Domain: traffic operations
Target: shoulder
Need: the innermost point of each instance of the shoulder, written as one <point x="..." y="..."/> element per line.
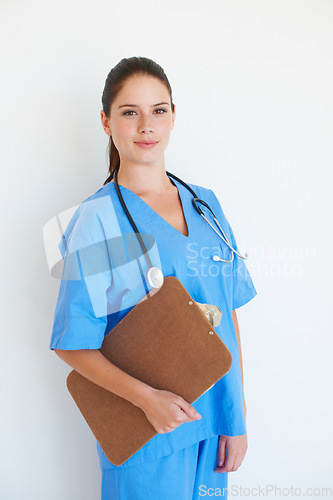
<point x="100" y="193"/>
<point x="95" y="205"/>
<point x="207" y="195"/>
<point x="85" y="221"/>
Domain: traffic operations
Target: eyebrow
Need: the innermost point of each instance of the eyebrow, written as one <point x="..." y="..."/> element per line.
<point x="135" y="105"/>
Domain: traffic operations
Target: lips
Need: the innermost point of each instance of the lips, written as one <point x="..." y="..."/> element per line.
<point x="146" y="144"/>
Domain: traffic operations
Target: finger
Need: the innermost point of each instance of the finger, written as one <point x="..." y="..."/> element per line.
<point x="188" y="418"/>
<point x="183" y="417"/>
<point x="228" y="463"/>
<point x="190" y="411"/>
<point x="221" y="455"/>
<point x="240" y="459"/>
<point x="234" y="467"/>
<point x="237" y="463"/>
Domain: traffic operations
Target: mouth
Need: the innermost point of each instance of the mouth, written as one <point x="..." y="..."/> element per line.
<point x="146" y="144"/>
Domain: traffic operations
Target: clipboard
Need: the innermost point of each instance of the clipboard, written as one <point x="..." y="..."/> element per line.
<point x="165" y="341"/>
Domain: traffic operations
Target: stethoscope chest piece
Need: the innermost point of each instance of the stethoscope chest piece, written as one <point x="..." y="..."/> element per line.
<point x="217" y="258"/>
<point x="155" y="277"/>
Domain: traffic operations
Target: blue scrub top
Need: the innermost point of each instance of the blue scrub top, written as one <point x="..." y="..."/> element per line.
<point x="104" y="282"/>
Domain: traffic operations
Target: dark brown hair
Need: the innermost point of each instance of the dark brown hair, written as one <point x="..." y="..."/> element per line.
<point x="113" y="85"/>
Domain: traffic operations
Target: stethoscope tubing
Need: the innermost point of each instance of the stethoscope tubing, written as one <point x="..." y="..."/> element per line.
<point x="137" y="232"/>
<point x="195" y="200"/>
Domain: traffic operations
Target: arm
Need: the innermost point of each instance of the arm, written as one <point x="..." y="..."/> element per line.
<point x="235" y="321"/>
<point x="164" y="409"/>
<point x="232" y="449"/>
<point x="93" y="365"/>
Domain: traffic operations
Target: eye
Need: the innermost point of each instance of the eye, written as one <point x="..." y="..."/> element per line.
<point x="161" y="112"/>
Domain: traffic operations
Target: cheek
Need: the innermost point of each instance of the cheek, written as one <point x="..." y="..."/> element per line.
<point x="122" y="130"/>
<point x="165" y="127"/>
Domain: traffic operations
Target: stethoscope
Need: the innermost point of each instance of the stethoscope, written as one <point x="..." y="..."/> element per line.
<point x="155" y="275"/>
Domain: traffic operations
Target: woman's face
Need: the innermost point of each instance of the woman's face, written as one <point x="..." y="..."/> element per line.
<point x="141" y="112"/>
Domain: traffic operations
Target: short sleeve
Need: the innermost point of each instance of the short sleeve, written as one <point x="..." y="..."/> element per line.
<point x="80" y="317"/>
<point x="243" y="289"/>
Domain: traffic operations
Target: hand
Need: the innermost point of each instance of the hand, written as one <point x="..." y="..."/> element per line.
<point x="231" y="452"/>
<point x="166" y="411"/>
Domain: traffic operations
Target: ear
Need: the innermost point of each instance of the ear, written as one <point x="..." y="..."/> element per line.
<point x="105" y="123"/>
<point x="173" y="116"/>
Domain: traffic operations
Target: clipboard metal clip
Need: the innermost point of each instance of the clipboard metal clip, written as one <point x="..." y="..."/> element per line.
<point x="212" y="313"/>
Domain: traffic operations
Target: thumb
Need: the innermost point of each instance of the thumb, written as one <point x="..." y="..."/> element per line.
<point x="221" y="453"/>
<point x="194" y="413"/>
<point x="190" y="411"/>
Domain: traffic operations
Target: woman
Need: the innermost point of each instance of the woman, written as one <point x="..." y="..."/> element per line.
<point x="196" y="445"/>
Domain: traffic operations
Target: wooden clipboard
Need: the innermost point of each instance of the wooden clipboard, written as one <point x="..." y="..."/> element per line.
<point x="165" y="341"/>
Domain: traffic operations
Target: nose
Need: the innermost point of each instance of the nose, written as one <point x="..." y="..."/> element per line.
<point x="145" y="125"/>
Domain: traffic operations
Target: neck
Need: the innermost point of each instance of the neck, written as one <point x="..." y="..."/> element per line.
<point x="145" y="179"/>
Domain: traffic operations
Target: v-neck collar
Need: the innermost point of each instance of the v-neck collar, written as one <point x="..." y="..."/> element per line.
<point x="158" y="216"/>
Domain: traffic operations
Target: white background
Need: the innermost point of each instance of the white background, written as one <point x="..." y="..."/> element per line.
<point x="252" y="82"/>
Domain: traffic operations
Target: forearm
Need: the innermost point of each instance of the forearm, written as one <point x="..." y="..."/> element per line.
<point x="93" y="365"/>
<point x="235" y="321"/>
